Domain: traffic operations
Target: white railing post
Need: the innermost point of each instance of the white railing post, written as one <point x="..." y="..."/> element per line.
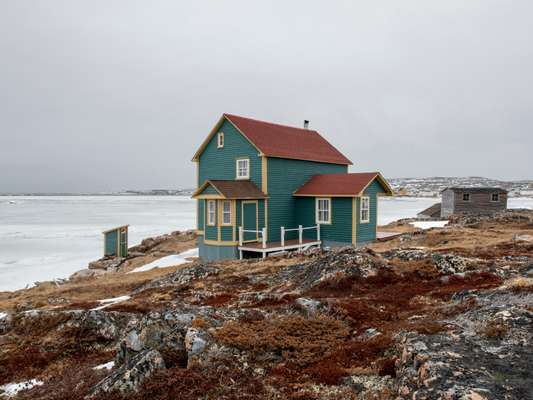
<point x="240" y="236"/>
<point x="318" y="232"/>
<point x="264" y="234"/>
<point x="300" y="234"/>
<point x="282" y="236"/>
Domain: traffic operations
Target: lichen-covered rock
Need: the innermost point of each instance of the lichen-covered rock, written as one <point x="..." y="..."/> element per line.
<point x="488" y="354"/>
<point x="131" y="374"/>
<point x="181" y="277"/>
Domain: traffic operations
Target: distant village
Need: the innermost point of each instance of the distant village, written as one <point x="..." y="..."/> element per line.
<point x="431" y="187"/>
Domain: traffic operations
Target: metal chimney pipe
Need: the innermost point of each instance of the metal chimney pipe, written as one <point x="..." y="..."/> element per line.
<point x="306" y="124"/>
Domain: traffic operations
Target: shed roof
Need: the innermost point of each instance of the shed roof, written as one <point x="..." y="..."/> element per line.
<point x="432" y="211"/>
<point x="227" y="189"/>
<point x="483" y="189"/>
<point x="341" y="185"/>
<point x="281" y="141"/>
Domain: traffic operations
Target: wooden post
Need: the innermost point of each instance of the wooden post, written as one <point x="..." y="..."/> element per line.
<point x="240" y="236"/>
<point x="300" y="233"/>
<point x="282" y="236"/>
<point x="318" y="232"/>
<point x="264" y="234"/>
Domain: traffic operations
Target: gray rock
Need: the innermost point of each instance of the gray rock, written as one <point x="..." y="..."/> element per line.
<point x="87" y="273"/>
<point x="195" y="342"/>
<point x="131" y="375"/>
<point x="309" y="306"/>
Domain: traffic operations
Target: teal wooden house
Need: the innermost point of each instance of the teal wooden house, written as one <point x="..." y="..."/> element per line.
<point x="265" y="188"/>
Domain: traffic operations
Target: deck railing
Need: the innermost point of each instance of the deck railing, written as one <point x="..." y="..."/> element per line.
<point x="284" y="231"/>
<point x="262" y="232"/>
<point x="300" y="230"/>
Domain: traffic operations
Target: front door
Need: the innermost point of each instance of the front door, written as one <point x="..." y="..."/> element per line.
<point x="249" y="220"/>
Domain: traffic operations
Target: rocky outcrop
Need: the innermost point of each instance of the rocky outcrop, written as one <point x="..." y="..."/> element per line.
<point x="488" y="355"/>
<point x="181" y="277"/>
<point x="131" y="374"/>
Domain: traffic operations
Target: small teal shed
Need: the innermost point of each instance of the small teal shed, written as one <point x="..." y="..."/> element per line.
<point x="116" y="242"/>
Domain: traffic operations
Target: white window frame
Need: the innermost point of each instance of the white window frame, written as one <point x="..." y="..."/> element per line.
<point x="362" y="208"/>
<point x="211" y="213"/>
<point x="468" y="195"/>
<point x="220" y="140"/>
<point x="497" y="197"/>
<point x="238" y="169"/>
<point x="319" y="210"/>
<point x="226" y="213"/>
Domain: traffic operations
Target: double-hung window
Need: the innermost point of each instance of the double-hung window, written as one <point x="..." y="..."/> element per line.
<point x="243" y="168"/>
<point x="226" y="213"/>
<point x="211" y="212"/>
<point x="365" y="209"/>
<point x="323" y="211"/>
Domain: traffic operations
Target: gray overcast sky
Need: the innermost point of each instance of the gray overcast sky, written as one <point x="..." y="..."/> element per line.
<point x="108" y="95"/>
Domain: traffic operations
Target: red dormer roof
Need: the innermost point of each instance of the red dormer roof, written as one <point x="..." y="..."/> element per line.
<point x="342" y="185"/>
<point x="281" y="141"/>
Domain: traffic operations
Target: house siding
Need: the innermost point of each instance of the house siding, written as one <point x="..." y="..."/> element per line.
<point x="447" y="203"/>
<point x="480" y="202"/>
<point x="213" y="253"/>
<point x="340" y="229"/>
<point x="284" y="177"/>
<point x="200" y="214"/>
<point x="366" y="232"/>
<point x="219" y="164"/>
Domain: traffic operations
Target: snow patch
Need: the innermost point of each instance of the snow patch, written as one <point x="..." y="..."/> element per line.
<point x="168" y="261"/>
<point x="12" y="389"/>
<point x="429" y="224"/>
<point x="3" y="315"/>
<point x="109" y="365"/>
<point x="110" y="302"/>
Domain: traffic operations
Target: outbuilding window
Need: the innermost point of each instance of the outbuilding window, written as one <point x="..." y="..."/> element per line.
<point x="323" y="211"/>
<point x="466" y="196"/>
<point x="211" y="212"/>
<point x="220" y="140"/>
<point x="365" y="209"/>
<point x="243" y="168"/>
<point x="495" y="197"/>
<point x="226" y="213"/>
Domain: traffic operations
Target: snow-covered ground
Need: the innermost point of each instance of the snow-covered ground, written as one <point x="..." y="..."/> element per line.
<point x="168" y="261"/>
<point x="47" y="237"/>
<point x="11" y="389"/>
<point x="429" y="224"/>
<point x="111" y="302"/>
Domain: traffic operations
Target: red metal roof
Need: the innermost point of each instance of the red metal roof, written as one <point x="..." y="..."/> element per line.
<point x="275" y="140"/>
<point x="340" y="184"/>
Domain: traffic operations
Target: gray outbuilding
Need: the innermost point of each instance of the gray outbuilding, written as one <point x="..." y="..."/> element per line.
<point x="472" y="200"/>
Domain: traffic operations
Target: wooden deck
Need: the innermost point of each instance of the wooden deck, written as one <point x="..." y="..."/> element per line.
<point x="272" y="247"/>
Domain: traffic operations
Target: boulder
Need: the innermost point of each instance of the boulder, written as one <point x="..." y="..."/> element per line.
<point x="131" y="375"/>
